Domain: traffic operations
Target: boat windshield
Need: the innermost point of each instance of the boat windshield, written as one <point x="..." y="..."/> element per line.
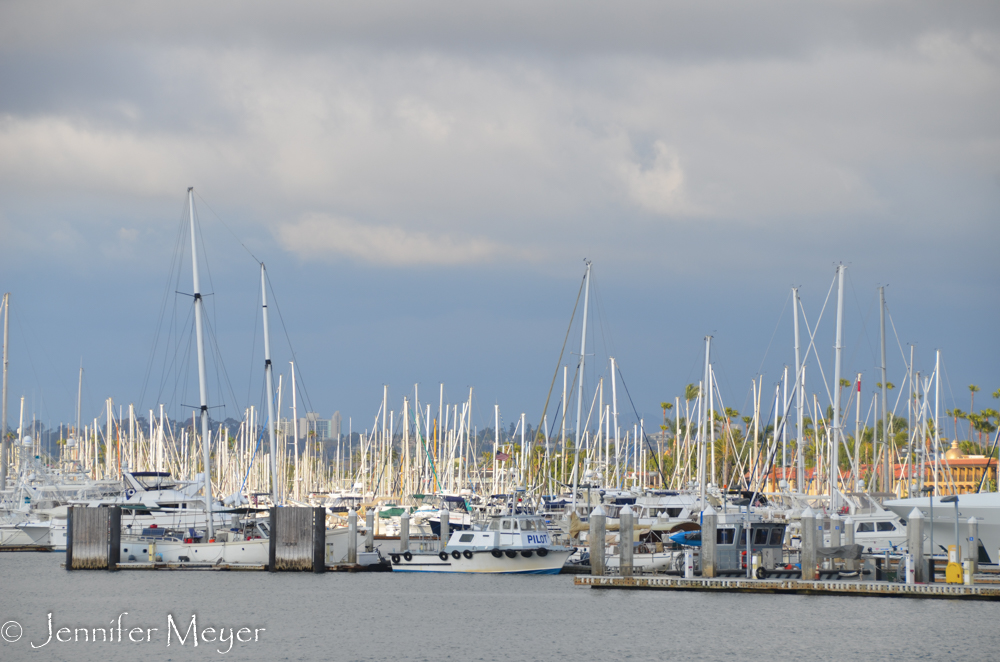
<point x="527" y="525"/>
<point x="154" y="480"/>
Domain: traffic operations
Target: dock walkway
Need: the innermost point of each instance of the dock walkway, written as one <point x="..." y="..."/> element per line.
<point x="797" y="587"/>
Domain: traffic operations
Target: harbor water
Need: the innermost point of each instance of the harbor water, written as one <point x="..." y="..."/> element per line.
<point x="385" y="616"/>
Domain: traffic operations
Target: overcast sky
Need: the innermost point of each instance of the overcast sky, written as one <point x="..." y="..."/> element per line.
<point x="424" y="180"/>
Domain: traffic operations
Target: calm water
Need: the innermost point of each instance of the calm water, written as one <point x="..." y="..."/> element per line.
<point x="454" y="617"/>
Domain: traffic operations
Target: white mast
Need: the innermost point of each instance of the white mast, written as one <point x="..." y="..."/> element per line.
<point x="800" y="380"/>
<point x="202" y="377"/>
<point x="614" y="413"/>
<point x="702" y="415"/>
<point x="836" y="436"/>
<point x="269" y="380"/>
<point x="4" y="444"/>
<point x="886" y="469"/>
<point x="579" y="395"/>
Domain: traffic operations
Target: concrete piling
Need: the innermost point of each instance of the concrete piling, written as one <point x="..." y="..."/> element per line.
<point x="915" y="545"/>
<point x="808" y="553"/>
<point x="709" y="526"/>
<point x="625" y="542"/>
<point x="404" y="532"/>
<point x="91" y="532"/>
<point x="445" y="517"/>
<point x="352" y="536"/>
<point x="298" y="540"/>
<point x="973" y="546"/>
<point x="849" y="564"/>
<point x="596" y="540"/>
<point x="370" y="530"/>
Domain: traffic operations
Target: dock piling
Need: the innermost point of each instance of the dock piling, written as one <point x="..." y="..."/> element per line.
<point x="915" y="543"/>
<point x="596" y="539"/>
<point x="404" y="532"/>
<point x="709" y="525"/>
<point x="370" y="530"/>
<point x="808" y="555"/>
<point x="625" y="542"/>
<point x="352" y="537"/>
<point x="849" y="564"/>
<point x="445" y="519"/>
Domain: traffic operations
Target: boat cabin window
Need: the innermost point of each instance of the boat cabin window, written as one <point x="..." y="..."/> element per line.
<point x="494" y="525"/>
<point x="725" y="536"/>
<point x="777" y="533"/>
<point x="884" y="526"/>
<point x="674" y="512"/>
<point x="506" y="525"/>
<point x="541" y="525"/>
<point x="866" y="527"/>
<point x="466" y="537"/>
<point x="527" y="525"/>
<point x="743" y="537"/>
<point x="760" y="536"/>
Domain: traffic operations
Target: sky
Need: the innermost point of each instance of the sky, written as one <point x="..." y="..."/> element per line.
<point x="425" y="180"/>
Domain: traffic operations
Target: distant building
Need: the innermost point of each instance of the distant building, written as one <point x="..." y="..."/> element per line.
<point x="336" y="426"/>
<point x="312" y="424"/>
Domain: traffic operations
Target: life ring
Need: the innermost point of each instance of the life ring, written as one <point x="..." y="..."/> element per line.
<point x="510" y="553"/>
<point x="407" y="556"/>
<point x="467" y="554"/>
<point x="496" y="553"/>
<point x="543" y="552"/>
<point x="443" y="556"/>
<point x="456" y="555"/>
<point x="526" y="553"/>
<point x="395" y="559"/>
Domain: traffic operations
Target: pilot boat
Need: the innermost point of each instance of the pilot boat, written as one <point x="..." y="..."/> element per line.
<point x="510" y="544"/>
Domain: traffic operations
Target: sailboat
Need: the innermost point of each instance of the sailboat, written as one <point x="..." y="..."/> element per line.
<point x="246" y="542"/>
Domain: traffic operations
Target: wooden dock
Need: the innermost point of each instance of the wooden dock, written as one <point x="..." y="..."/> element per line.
<point x="797" y="587"/>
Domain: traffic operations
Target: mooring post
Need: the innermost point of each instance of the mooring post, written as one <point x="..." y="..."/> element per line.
<point x="352" y="536"/>
<point x="370" y="530"/>
<point x="69" y="537"/>
<point x="625" y="536"/>
<point x="915" y="545"/>
<point x="272" y="541"/>
<point x="973" y="545"/>
<point x="404" y="532"/>
<point x="596" y="540"/>
<point x="849" y="564"/>
<point x="319" y="539"/>
<point x="807" y="556"/>
<point x="114" y="537"/>
<point x="445" y="518"/>
<point x="709" y="525"/>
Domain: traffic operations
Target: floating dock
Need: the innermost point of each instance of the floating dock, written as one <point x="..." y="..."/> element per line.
<point x="798" y="587"/>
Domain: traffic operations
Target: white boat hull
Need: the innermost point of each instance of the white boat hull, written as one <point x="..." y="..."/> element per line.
<point x="254" y="552"/>
<point x="483" y="561"/>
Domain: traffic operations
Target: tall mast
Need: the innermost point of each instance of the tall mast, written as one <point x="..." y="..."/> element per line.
<point x="838" y="347"/>
<point x="702" y="416"/>
<point x="199" y="305"/>
<point x="269" y="380"/>
<point x="614" y="409"/>
<point x="295" y="432"/>
<point x="800" y="378"/>
<point x="579" y="393"/>
<point x="886" y="482"/>
<point x="4" y="443"/>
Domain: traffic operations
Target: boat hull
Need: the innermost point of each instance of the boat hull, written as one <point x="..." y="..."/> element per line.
<point x="484" y="562"/>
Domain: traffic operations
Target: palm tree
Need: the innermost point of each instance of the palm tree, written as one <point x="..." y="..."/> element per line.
<point x="973" y="389"/>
